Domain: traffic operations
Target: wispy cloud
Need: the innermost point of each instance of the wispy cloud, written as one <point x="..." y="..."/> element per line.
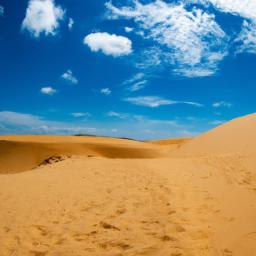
<point x="80" y="114"/>
<point x="15" y="122"/>
<point x="128" y="29"/>
<point x="1" y="10"/>
<point x="105" y="91"/>
<point x="42" y="16"/>
<point x="216" y="122"/>
<point x="70" y="23"/>
<point x="48" y="90"/>
<point x="154" y="101"/>
<point x="69" y="77"/>
<point x="133" y="126"/>
<point x="246" y="40"/>
<point x="137" y="82"/>
<point x="117" y="114"/>
<point x="109" y="44"/>
<point x="191" y="41"/>
<point x="220" y="104"/>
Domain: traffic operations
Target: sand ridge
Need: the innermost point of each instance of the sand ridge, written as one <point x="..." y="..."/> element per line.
<point x="21" y="153"/>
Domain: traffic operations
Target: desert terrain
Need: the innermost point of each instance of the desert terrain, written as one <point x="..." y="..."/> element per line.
<point x="75" y="196"/>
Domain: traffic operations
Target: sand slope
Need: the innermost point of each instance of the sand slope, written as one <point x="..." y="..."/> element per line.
<point x="21" y="153"/>
<point x="131" y="198"/>
<point x="237" y="136"/>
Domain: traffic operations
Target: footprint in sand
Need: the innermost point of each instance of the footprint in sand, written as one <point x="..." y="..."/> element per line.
<point x="106" y="225"/>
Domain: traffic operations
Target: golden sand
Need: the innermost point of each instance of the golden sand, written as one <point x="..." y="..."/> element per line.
<point x="71" y="196"/>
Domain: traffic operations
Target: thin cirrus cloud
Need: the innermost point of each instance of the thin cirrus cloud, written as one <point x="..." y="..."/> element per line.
<point x="48" y="90"/>
<point x="155" y="101"/>
<point x="69" y="77"/>
<point x="16" y="122"/>
<point x="1" y="10"/>
<point x="220" y="104"/>
<point x="109" y="44"/>
<point x="191" y="41"/>
<point x="80" y="114"/>
<point x="42" y="17"/>
<point x="117" y="114"/>
<point x="136" y="83"/>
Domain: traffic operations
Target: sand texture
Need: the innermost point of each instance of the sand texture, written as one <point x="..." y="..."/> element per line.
<point x="75" y="196"/>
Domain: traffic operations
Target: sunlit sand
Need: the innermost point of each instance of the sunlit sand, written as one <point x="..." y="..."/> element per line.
<point x="68" y="195"/>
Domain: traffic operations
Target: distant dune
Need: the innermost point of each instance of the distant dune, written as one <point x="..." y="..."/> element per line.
<point x="91" y="196"/>
<point x="171" y="144"/>
<point x="24" y="152"/>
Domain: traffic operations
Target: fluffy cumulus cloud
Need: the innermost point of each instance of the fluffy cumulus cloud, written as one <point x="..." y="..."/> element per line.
<point x="154" y="101"/>
<point x="109" y="44"/>
<point x="190" y="39"/>
<point x="42" y="17"/>
<point x="69" y="77"/>
<point x="244" y="8"/>
<point x="48" y="90"/>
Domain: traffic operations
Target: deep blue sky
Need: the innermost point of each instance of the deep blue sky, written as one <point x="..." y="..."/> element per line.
<point x="100" y="99"/>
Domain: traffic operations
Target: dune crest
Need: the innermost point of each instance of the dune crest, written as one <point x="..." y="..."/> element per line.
<point x="21" y="153"/>
<point x="237" y="136"/>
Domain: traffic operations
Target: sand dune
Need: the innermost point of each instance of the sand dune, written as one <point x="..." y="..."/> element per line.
<point x="237" y="136"/>
<point x="170" y="145"/>
<point x="20" y="153"/>
<point x="187" y="197"/>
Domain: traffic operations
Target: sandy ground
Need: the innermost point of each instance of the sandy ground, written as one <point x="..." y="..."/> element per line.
<point x="178" y="202"/>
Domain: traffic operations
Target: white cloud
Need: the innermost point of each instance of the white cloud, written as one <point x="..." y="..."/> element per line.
<point x="69" y="77"/>
<point x="15" y="122"/>
<point x="80" y="114"/>
<point x="244" y="8"/>
<point x="128" y="29"/>
<point x="19" y="119"/>
<point x="134" y="78"/>
<point x="154" y="101"/>
<point x="220" y="104"/>
<point x="136" y="82"/>
<point x="1" y="10"/>
<point x="188" y="39"/>
<point x="133" y="126"/>
<point x="105" y="91"/>
<point x="48" y="90"/>
<point x="216" y="122"/>
<point x="117" y="114"/>
<point x="138" y="86"/>
<point x="109" y="44"/>
<point x="70" y="23"/>
<point x="42" y="16"/>
<point x="246" y="40"/>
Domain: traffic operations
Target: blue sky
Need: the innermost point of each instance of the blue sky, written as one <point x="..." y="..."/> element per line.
<point x="140" y="69"/>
